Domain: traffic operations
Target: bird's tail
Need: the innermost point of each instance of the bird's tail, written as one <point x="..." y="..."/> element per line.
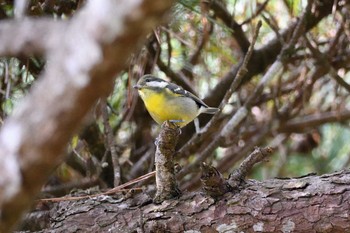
<point x="210" y="110"/>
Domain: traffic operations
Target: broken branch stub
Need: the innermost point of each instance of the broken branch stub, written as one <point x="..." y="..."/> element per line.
<point x="164" y="160"/>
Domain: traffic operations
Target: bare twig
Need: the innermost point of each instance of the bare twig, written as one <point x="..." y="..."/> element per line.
<point x="110" y="142"/>
<point x="177" y="77"/>
<point x="140" y="164"/>
<point x="232" y="157"/>
<point x="320" y="57"/>
<point x="202" y="41"/>
<point x="261" y="7"/>
<point x="120" y="188"/>
<point x="240" y="173"/>
<point x="65" y="188"/>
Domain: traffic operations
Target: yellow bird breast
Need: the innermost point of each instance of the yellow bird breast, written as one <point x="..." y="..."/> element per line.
<point x="164" y="106"/>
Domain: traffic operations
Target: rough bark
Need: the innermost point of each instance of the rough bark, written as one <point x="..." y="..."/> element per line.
<point x="164" y="160"/>
<point x="306" y="204"/>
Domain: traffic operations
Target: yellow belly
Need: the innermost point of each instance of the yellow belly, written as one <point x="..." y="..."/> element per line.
<point x="163" y="107"/>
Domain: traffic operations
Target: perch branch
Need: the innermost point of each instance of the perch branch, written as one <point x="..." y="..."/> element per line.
<point x="165" y="174"/>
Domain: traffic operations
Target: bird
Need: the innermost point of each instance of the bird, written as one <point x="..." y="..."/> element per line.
<point x="166" y="101"/>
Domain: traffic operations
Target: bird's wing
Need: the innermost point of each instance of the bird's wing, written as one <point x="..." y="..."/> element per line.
<point x="180" y="91"/>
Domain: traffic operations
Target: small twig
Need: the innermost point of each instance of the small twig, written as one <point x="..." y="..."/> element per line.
<point x="298" y="31"/>
<point x="58" y="199"/>
<point x="258" y="155"/>
<point x="183" y="41"/>
<point x="258" y="11"/>
<point x="65" y="188"/>
<point x="170" y="48"/>
<point x="202" y="40"/>
<point x="140" y="163"/>
<point x="177" y="77"/>
<point x="320" y="57"/>
<point x="120" y="188"/>
<point x="110" y="142"/>
<point x="231" y="158"/>
<point x="165" y="175"/>
<point x="7" y="79"/>
<point x="273" y="25"/>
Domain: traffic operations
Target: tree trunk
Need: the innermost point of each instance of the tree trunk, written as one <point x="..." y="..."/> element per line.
<point x="306" y="204"/>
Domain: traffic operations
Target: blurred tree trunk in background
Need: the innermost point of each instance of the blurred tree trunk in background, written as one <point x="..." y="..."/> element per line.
<point x="84" y="54"/>
<point x="60" y="58"/>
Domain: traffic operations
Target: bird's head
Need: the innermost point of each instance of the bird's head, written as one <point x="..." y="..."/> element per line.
<point x="150" y="82"/>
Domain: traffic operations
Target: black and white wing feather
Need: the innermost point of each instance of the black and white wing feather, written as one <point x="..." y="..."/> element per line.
<point x="180" y="91"/>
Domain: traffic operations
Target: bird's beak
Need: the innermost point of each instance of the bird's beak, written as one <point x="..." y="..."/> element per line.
<point x="138" y="87"/>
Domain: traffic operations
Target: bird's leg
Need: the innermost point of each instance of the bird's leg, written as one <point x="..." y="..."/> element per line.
<point x="176" y="121"/>
<point x="156" y="142"/>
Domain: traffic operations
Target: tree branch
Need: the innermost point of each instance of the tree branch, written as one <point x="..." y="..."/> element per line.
<point x="164" y="159"/>
<point x="276" y="205"/>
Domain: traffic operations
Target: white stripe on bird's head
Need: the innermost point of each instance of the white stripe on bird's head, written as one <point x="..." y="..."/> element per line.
<point x="160" y="84"/>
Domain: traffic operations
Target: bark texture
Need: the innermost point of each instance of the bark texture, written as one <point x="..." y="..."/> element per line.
<point x="164" y="160"/>
<point x="307" y="204"/>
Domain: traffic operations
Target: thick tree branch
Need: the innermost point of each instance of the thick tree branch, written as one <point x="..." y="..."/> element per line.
<point x="307" y="204"/>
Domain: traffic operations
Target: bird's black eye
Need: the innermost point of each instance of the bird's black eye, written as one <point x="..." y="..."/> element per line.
<point x="147" y="80"/>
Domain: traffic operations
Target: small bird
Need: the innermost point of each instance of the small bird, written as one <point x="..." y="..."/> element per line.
<point x="166" y="101"/>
